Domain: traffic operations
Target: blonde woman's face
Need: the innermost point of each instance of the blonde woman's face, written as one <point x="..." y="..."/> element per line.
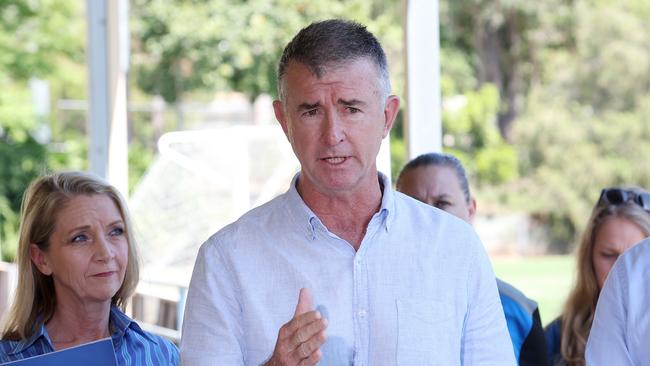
<point x="615" y="235"/>
<point x="88" y="250"/>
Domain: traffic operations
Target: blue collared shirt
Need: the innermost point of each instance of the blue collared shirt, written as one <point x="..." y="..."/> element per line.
<point x="621" y="329"/>
<point x="419" y="291"/>
<point x="132" y="345"/>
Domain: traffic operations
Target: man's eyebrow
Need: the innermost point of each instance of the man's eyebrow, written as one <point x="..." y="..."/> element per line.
<point x="305" y="106"/>
<point x="351" y="102"/>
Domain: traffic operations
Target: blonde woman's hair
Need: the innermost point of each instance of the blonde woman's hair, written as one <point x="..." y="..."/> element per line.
<point x="578" y="313"/>
<point x="35" y="300"/>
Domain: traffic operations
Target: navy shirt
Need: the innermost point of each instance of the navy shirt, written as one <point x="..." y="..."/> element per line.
<point x="132" y="345"/>
<point x="553" y="333"/>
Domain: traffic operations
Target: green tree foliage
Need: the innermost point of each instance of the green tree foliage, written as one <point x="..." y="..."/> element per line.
<point x="34" y="37"/>
<point x="182" y="46"/>
<point x="503" y="42"/>
<point x="587" y="125"/>
<point x="471" y="133"/>
<point x="577" y="75"/>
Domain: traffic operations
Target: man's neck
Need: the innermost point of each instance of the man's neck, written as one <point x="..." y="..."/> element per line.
<point x="345" y="213"/>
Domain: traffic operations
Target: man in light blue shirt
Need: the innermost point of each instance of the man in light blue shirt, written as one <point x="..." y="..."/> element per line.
<point x="342" y="270"/>
<point x="620" y="332"/>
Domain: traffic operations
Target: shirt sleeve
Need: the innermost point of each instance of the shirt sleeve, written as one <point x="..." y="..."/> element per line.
<point x="607" y="344"/>
<point x="485" y="339"/>
<point x="211" y="326"/>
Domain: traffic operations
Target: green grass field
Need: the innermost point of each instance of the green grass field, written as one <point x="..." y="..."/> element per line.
<point x="545" y="279"/>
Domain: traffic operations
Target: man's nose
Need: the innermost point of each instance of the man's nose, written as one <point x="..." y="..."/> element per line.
<point x="333" y="131"/>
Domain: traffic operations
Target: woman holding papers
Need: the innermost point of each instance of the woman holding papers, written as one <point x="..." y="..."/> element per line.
<point x="77" y="266"/>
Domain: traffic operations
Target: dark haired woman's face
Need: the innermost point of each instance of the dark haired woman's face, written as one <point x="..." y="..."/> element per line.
<point x="437" y="186"/>
<point x="88" y="250"/>
<point x="615" y="235"/>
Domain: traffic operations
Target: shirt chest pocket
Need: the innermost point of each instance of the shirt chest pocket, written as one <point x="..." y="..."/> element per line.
<point x="428" y="333"/>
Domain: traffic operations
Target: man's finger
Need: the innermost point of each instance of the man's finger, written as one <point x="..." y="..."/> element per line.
<point x="312" y="359"/>
<point x="306" y="332"/>
<point x="305" y="302"/>
<point x="310" y="350"/>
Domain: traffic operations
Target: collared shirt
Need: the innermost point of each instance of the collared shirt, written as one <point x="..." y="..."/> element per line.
<point x="621" y="328"/>
<point x="419" y="291"/>
<point x="132" y="345"/>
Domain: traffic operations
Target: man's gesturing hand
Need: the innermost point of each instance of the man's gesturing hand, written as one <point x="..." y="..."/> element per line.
<point x="300" y="339"/>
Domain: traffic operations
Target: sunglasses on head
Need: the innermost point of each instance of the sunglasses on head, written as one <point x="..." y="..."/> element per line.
<point x="618" y="196"/>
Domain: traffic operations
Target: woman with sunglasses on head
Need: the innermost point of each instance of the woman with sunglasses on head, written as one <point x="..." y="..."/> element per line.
<point x="620" y="219"/>
<point x="621" y="329"/>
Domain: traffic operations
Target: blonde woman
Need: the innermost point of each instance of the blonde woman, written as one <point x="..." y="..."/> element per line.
<point x="619" y="221"/>
<point x="77" y="267"/>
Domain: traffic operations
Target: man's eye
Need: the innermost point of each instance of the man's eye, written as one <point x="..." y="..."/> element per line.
<point x="354" y="110"/>
<point x="442" y="204"/>
<point x="310" y="113"/>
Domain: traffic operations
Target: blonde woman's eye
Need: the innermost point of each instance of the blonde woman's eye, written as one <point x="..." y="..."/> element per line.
<point x="81" y="238"/>
<point x="117" y="231"/>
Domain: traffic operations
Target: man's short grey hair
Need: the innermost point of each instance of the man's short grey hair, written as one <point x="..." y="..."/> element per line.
<point x="331" y="43"/>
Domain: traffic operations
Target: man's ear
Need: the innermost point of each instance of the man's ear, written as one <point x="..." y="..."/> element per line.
<point x="40" y="259"/>
<point x="278" y="108"/>
<point x="390" y="113"/>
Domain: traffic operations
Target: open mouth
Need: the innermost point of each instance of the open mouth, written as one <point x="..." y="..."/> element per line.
<point x="335" y="160"/>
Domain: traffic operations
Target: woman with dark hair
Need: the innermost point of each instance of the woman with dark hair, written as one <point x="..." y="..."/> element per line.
<point x="77" y="267"/>
<point x="440" y="181"/>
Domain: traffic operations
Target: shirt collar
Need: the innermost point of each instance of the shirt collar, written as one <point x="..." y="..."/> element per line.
<point x="299" y="211"/>
<point x="306" y="218"/>
<point x="26" y="343"/>
<point x="120" y="323"/>
<point x="387" y="208"/>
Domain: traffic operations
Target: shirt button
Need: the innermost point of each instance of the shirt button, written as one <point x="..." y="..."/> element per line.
<point x="362" y="313"/>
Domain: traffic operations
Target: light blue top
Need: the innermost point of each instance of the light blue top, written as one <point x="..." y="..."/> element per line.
<point x="133" y="346"/>
<point x="620" y="333"/>
<point x="420" y="290"/>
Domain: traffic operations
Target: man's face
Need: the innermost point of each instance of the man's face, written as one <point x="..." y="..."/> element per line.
<point x="440" y="187"/>
<point x="335" y="124"/>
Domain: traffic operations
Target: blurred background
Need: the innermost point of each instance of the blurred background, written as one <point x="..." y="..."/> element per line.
<point x="545" y="102"/>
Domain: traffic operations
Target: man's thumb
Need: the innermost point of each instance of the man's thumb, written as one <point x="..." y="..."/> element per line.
<point x="305" y="302"/>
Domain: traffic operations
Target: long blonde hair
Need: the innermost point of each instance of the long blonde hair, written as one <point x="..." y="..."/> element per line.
<point x="578" y="313"/>
<point x="35" y="301"/>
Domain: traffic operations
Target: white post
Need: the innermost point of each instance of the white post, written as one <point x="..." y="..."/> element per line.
<point x="422" y="122"/>
<point x="108" y="60"/>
